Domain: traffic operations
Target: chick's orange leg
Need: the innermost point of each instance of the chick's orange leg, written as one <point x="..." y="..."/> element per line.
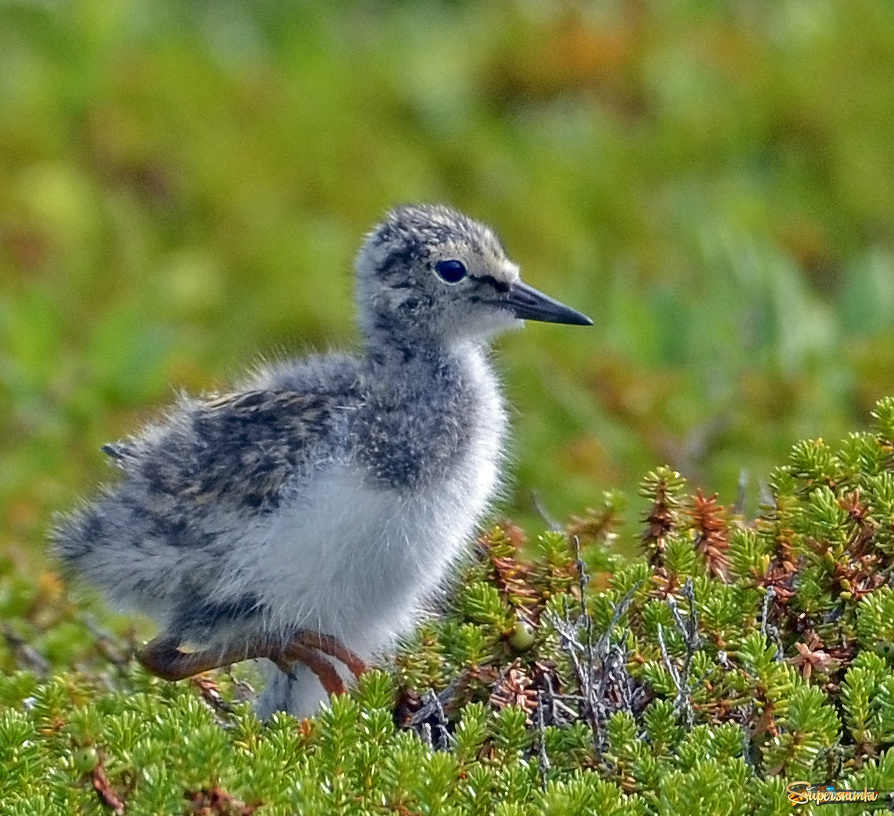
<point x="164" y="658"/>
<point x="329" y="645"/>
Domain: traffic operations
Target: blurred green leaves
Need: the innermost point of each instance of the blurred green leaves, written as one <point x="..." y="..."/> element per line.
<point x="183" y="186"/>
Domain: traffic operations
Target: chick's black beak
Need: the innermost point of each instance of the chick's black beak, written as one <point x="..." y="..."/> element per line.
<point x="529" y="303"/>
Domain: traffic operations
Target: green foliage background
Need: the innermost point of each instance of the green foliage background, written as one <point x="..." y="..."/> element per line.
<point x="183" y="186"/>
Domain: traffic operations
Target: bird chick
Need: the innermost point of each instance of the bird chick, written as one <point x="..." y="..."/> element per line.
<point x="309" y="513"/>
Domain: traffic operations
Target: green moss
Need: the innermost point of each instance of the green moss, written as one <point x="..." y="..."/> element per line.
<point x="722" y="210"/>
<point x="674" y="688"/>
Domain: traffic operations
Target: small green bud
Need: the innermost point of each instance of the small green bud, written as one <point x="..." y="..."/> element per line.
<point x="85" y="759"/>
<point x="522" y="637"/>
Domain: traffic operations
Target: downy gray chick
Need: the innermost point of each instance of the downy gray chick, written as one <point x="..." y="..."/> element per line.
<point x="311" y="511"/>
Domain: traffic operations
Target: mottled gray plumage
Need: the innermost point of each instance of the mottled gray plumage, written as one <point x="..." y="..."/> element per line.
<point x="332" y="493"/>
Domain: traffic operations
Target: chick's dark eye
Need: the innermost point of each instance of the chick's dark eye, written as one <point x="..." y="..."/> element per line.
<point x="452" y="271"/>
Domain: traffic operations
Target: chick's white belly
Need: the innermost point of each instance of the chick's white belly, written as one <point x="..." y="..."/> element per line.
<point x="353" y="561"/>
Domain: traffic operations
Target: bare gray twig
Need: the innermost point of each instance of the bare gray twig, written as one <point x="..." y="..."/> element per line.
<point x="548" y="519"/>
<point x="692" y="640"/>
<point x="541" y="743"/>
<point x="765" y="609"/>
<point x="433" y="707"/>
